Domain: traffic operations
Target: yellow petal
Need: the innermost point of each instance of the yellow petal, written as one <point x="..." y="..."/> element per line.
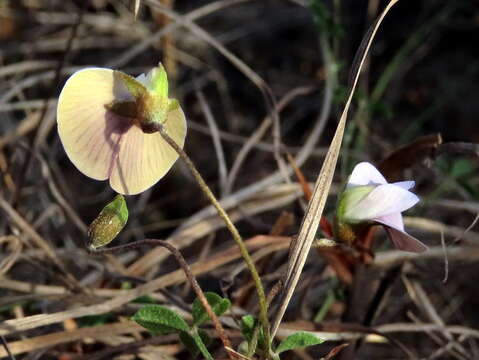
<point x="143" y="159"/>
<point x="89" y="132"/>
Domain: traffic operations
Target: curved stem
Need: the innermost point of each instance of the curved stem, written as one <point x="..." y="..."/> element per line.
<point x="263" y="305"/>
<point x="189" y="275"/>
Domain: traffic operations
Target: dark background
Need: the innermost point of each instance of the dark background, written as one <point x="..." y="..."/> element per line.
<point x="425" y="55"/>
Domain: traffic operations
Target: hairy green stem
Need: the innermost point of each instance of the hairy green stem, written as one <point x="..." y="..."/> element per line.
<point x="189" y="275"/>
<point x="263" y="305"/>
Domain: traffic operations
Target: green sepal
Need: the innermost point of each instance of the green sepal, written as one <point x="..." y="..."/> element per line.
<point x="134" y="87"/>
<point x="248" y="326"/>
<point x="248" y="323"/>
<point x="348" y="199"/>
<point x="108" y="224"/>
<point x="173" y="104"/>
<point x="151" y="105"/>
<point x="159" y="81"/>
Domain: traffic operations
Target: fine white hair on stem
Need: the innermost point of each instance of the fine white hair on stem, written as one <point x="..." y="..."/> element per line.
<point x="304" y="153"/>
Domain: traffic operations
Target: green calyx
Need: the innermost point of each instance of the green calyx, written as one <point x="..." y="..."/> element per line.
<point x="345" y="222"/>
<point x="108" y="224"/>
<point x="349" y="198"/>
<point x="151" y="105"/>
<point x="159" y="81"/>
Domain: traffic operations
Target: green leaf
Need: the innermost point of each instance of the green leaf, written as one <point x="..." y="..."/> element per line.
<point x="160" y="320"/>
<point x="297" y="340"/>
<point x="218" y="304"/>
<point x="197" y="343"/>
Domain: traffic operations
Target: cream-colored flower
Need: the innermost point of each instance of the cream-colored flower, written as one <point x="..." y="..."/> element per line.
<point x="103" y="117"/>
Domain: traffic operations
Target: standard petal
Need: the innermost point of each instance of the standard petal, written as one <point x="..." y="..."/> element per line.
<point x="383" y="200"/>
<point x="88" y="131"/>
<point x="144" y="159"/>
<point x="404" y="241"/>
<point x="365" y="174"/>
<point x="175" y="126"/>
<point x="406" y="185"/>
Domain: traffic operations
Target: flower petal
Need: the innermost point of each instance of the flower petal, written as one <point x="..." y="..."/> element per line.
<point x="142" y="78"/>
<point x="392" y="220"/>
<point x="365" y="174"/>
<point x="404" y="241"/>
<point x="383" y="200"/>
<point x="88" y="131"/>
<point x="406" y="185"/>
<point x="143" y="159"/>
<point x="394" y="226"/>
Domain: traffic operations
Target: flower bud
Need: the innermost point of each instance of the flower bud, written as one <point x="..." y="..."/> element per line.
<point x="108" y="224"/>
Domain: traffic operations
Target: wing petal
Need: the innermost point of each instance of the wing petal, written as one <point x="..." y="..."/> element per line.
<point x="383" y="200"/>
<point x="406" y="185"/>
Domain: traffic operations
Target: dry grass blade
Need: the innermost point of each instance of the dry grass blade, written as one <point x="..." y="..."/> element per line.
<point x="36" y="239"/>
<point x="222" y="169"/>
<point x="271" y="198"/>
<point x="303" y="154"/>
<point x="136" y="8"/>
<point x="253" y="76"/>
<point x="172" y="278"/>
<point x="193" y="15"/>
<point x="313" y="214"/>
<point x="260" y="132"/>
<point x="39" y="342"/>
<point x="454" y="253"/>
<point x="422" y="300"/>
<point x="335" y="351"/>
<point x="15" y="246"/>
<point x="202" y="34"/>
<point x="187" y="271"/>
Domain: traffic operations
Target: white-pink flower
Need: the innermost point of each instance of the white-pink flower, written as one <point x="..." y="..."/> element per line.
<point x="369" y="198"/>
